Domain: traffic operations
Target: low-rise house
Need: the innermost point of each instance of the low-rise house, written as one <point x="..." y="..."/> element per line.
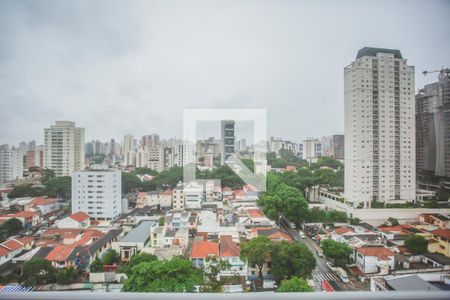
<point x="273" y="234"/>
<point x="13" y="247"/>
<point x="177" y="220"/>
<point x="401" y="283"/>
<point x="62" y="256"/>
<point x="135" y="240"/>
<point x="374" y="260"/>
<point x="193" y="196"/>
<point x="46" y="206"/>
<point x="76" y="220"/>
<point x="438" y="220"/>
<point x="178" y="202"/>
<point x="29" y="219"/>
<point x="229" y="251"/>
<point x="440" y="243"/>
<point x="202" y="251"/>
<point x="161" y="199"/>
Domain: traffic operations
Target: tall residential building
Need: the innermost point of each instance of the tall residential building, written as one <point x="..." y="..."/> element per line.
<point x="311" y="148"/>
<point x="151" y="140"/>
<point x="379" y="128"/>
<point x="433" y="129"/>
<point x="326" y="143"/>
<point x="128" y="143"/>
<point x="338" y="146"/>
<point x="35" y="158"/>
<point x="227" y="140"/>
<point x="11" y="164"/>
<point x="64" y="148"/>
<point x="98" y="193"/>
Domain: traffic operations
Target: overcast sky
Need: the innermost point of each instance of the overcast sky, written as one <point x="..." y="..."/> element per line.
<point x="118" y="67"/>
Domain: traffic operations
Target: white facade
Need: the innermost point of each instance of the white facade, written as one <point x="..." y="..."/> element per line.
<point x="193" y="195"/>
<point x="11" y="164"/>
<point x="311" y="148"/>
<point x="156" y="158"/>
<point x="379" y="128"/>
<point x="64" y="148"/>
<point x="97" y="193"/>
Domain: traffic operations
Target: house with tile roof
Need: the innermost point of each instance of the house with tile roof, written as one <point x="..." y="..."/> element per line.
<point x="230" y="251"/>
<point x="202" y="251"/>
<point x="374" y="260"/>
<point x="76" y="220"/>
<point x="46" y="206"/>
<point x="441" y="244"/>
<point x="13" y="247"/>
<point x="29" y="219"/>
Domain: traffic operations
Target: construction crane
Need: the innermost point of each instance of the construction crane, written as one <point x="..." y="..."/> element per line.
<point x="441" y="71"/>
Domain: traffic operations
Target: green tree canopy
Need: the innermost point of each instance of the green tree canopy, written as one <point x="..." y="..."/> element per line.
<point x="339" y="253"/>
<point x="294" y="285"/>
<point x="417" y="244"/>
<point x="292" y="259"/>
<point x="37" y="271"/>
<point x="58" y="186"/>
<point x="11" y="227"/>
<point x="26" y="190"/>
<point x="111" y="257"/>
<point x="175" y="275"/>
<point x="66" y="276"/>
<point x="47" y="174"/>
<point x="96" y="265"/>
<point x="256" y="252"/>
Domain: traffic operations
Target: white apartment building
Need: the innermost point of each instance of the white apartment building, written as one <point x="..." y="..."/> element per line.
<point x="64" y="148"/>
<point x="379" y="128"/>
<point x="98" y="193"/>
<point x="227" y="141"/>
<point x="193" y="195"/>
<point x="311" y="148"/>
<point x="11" y="164"/>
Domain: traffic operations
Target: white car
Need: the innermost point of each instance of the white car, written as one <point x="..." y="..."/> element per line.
<point x="330" y="265"/>
<point x="342" y="275"/>
<point x="301" y="234"/>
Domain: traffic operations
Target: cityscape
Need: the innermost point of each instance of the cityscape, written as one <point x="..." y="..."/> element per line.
<point x="361" y="210"/>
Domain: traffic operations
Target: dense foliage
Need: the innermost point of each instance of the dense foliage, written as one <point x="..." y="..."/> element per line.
<point x="417" y="244"/>
<point x="337" y="252"/>
<point x="175" y="275"/>
<point x="256" y="252"/>
<point x="66" y="276"/>
<point x="37" y="271"/>
<point x="11" y="227"/>
<point x="292" y="259"/>
<point x="294" y="285"/>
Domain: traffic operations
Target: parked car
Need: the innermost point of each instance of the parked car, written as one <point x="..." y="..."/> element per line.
<point x="313" y="237"/>
<point x="342" y="275"/>
<point x="301" y="234"/>
<point x="319" y="253"/>
<point x="292" y="225"/>
<point x="330" y="266"/>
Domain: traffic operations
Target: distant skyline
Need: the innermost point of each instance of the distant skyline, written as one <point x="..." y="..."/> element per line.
<point x="119" y="67"/>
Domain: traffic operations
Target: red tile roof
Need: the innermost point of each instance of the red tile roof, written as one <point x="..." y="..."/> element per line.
<point x="228" y="248"/>
<point x="60" y="253"/>
<point x="239" y="193"/>
<point x="255" y="213"/>
<point x="444" y="233"/>
<point x="380" y="252"/>
<point x="4" y="251"/>
<point x="343" y="230"/>
<point x="21" y="214"/>
<point x="42" y="201"/>
<point x="398" y="228"/>
<point x="12" y="245"/>
<point x="79" y="216"/>
<point x="203" y="249"/>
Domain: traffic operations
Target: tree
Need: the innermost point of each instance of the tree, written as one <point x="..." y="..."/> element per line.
<point x="66" y="276"/>
<point x="11" y="227"/>
<point x="111" y="257"/>
<point x="256" y="252"/>
<point x="96" y="265"/>
<point x="26" y="190"/>
<point x="58" y="186"/>
<point x="393" y="221"/>
<point x="212" y="269"/>
<point x="175" y="275"/>
<point x="130" y="182"/>
<point x="136" y="260"/>
<point x="47" y="174"/>
<point x="292" y="259"/>
<point x="142" y="171"/>
<point x="355" y="221"/>
<point x="417" y="244"/>
<point x="37" y="271"/>
<point x="339" y="253"/>
<point x="294" y="285"/>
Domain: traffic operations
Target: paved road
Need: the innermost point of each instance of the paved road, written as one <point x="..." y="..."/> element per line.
<point x="322" y="272"/>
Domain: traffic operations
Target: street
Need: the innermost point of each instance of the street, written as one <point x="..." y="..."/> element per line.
<point x="321" y="272"/>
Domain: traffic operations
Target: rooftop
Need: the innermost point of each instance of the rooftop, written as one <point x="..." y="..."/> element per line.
<point x="203" y="249"/>
<point x="139" y="234"/>
<point x="410" y="283"/>
<point x="370" y="51"/>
